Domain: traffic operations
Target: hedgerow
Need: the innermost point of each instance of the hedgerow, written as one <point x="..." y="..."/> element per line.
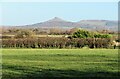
<point x="56" y="42"/>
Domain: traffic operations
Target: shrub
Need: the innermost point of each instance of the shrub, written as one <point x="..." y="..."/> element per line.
<point x="24" y="34"/>
<point x="82" y="34"/>
<point x="102" y="36"/>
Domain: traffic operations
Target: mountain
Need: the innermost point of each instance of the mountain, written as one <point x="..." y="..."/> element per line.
<point x="56" y="19"/>
<point x="57" y="22"/>
<point x="54" y="23"/>
<point x="99" y="24"/>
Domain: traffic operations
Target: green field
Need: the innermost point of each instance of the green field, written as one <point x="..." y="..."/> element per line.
<point x="41" y="63"/>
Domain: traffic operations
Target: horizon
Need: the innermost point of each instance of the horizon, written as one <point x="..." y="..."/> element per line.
<point x="16" y="14"/>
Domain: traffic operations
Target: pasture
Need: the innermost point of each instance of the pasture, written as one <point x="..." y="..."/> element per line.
<point x="43" y="63"/>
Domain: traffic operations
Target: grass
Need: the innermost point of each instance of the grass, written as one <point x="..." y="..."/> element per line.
<point x="42" y="63"/>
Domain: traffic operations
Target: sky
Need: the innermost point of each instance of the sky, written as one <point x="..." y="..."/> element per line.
<point x="23" y="13"/>
<point x="59" y="0"/>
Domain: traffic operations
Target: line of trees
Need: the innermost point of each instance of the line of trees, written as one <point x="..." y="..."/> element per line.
<point x="56" y="42"/>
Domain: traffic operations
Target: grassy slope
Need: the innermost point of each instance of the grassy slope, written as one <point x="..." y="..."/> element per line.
<point x="35" y="63"/>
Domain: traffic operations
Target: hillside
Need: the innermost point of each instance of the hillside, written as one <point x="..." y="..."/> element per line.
<point x="55" y="22"/>
<point x="99" y="24"/>
<point x="85" y="24"/>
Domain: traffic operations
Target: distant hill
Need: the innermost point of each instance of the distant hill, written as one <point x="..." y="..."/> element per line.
<point x="85" y="24"/>
<point x="99" y="24"/>
<point x="53" y="23"/>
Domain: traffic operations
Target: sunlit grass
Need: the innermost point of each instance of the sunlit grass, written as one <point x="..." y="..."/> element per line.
<point x="36" y="63"/>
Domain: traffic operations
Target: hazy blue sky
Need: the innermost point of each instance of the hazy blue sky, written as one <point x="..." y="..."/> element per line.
<point x="59" y="0"/>
<point x="30" y="12"/>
